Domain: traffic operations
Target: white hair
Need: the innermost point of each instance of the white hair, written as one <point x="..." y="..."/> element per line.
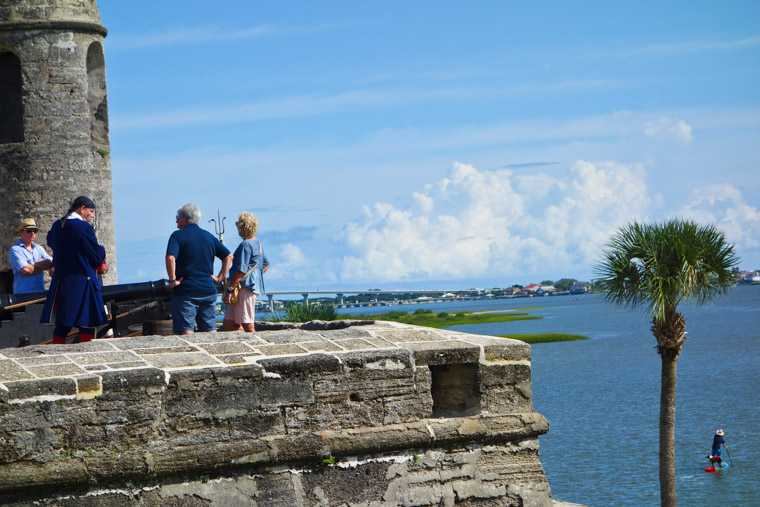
<point x="191" y="212"/>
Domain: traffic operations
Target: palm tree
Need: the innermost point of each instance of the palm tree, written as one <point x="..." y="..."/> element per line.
<point x="656" y="266"/>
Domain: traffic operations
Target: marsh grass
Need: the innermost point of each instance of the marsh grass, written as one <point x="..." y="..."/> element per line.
<point x="427" y="318"/>
<point x="545" y="338"/>
<point x="296" y="312"/>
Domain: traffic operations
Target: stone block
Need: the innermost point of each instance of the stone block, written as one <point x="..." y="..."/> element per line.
<point x="409" y="335"/>
<point x="10" y="371"/>
<point x="127" y="365"/>
<point x="301" y="365"/>
<point x="87" y="384"/>
<point x="496" y="349"/>
<point x="180" y="360"/>
<point x="228" y="347"/>
<point x="130" y="380"/>
<point x="233" y="492"/>
<point x="505" y="399"/>
<point x="378" y="360"/>
<point x="363" y="484"/>
<point x="28" y="391"/>
<point x="280" y="350"/>
<point x="56" y="370"/>
<point x="333" y="415"/>
<point x="289" y="336"/>
<point x="358" y="344"/>
<point x="321" y="346"/>
<point x="503" y="374"/>
<point x="353" y="332"/>
<point x="39" y="351"/>
<point x="89" y="358"/>
<point x="286" y="392"/>
<point x="42" y="360"/>
<point x="238" y="359"/>
<point x="186" y="379"/>
<point x="448" y="352"/>
<point x="275" y="490"/>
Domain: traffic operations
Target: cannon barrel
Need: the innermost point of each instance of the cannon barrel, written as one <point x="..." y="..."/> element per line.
<point x="120" y="292"/>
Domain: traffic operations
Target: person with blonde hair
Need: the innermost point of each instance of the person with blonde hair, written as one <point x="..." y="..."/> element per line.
<point x="247" y="274"/>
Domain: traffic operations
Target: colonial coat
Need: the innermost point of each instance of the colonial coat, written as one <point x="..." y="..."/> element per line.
<point x="74" y="297"/>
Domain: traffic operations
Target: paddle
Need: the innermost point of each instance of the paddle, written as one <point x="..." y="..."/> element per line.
<point x="729" y="457"/>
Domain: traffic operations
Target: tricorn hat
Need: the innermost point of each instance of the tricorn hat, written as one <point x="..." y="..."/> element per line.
<point x="27" y="223"/>
<point x="719" y="432"/>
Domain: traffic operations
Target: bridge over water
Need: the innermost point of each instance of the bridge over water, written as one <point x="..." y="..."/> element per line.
<point x="339" y="293"/>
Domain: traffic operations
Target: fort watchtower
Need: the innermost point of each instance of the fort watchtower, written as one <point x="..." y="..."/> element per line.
<point x="54" y="142"/>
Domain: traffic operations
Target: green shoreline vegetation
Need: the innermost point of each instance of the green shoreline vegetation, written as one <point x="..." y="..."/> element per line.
<point x="545" y="338"/>
<point x="426" y="318"/>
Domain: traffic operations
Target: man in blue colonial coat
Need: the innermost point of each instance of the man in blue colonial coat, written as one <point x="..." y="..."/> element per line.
<point x="74" y="298"/>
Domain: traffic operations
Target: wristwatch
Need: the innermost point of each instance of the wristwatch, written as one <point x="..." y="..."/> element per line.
<point x="230" y="289"/>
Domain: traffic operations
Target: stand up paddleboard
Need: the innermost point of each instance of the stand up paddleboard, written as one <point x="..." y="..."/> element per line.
<point x="716" y="463"/>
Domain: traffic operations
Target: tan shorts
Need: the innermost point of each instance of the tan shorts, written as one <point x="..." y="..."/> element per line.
<point x="244" y="311"/>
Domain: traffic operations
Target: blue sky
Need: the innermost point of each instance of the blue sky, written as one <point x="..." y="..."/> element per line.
<point x="431" y="145"/>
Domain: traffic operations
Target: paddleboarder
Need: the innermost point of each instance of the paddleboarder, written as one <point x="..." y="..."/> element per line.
<point x="718" y="440"/>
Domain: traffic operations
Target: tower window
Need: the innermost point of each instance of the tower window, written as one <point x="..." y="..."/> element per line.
<point x="96" y="94"/>
<point x="11" y="104"/>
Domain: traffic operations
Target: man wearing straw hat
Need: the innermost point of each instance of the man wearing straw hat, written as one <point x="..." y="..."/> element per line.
<point x="28" y="260"/>
<point x="718" y="440"/>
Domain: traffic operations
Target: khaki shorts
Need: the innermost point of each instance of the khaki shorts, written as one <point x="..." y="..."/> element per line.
<point x="244" y="311"/>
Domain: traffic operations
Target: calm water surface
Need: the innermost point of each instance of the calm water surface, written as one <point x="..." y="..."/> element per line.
<point x="601" y="397"/>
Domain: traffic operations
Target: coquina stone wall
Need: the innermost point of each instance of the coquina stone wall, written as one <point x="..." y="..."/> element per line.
<point x="367" y="414"/>
<point x="54" y="142"/>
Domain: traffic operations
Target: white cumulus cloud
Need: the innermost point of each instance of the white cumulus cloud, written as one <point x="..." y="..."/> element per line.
<point x="476" y="223"/>
<point x="724" y="206"/>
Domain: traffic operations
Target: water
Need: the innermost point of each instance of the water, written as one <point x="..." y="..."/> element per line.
<point x="601" y="397"/>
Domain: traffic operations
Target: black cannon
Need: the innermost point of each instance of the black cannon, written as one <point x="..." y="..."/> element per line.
<point x="128" y="303"/>
<point x="120" y="292"/>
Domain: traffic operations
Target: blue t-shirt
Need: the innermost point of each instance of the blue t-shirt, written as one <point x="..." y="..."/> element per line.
<point x="248" y="254"/>
<point x="194" y="250"/>
<point x="19" y="257"/>
<point x="718" y="441"/>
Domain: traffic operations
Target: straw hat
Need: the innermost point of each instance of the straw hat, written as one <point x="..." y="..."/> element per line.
<point x="719" y="432"/>
<point x="26" y="224"/>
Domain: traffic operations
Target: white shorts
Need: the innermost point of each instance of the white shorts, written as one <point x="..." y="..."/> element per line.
<point x="244" y="311"/>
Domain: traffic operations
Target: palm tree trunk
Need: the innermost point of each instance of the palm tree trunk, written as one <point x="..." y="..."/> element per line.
<point x="667" y="427"/>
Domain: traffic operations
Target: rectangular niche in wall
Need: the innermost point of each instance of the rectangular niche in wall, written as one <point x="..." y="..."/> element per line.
<point x="455" y="390"/>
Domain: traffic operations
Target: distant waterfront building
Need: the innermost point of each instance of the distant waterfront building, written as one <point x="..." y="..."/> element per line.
<point x="54" y="140"/>
<point x="580" y="288"/>
<point x="546" y="290"/>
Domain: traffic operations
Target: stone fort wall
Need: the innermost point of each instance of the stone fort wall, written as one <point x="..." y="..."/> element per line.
<point x="54" y="142"/>
<point x="368" y="414"/>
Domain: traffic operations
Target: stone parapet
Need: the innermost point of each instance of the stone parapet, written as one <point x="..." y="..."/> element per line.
<point x="320" y="414"/>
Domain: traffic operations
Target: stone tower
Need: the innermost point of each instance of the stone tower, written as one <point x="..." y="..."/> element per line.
<point x="54" y="143"/>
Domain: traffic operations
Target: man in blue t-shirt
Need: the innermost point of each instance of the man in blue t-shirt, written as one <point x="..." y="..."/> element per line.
<point x="28" y="260"/>
<point x="718" y="440"/>
<point x="190" y="266"/>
